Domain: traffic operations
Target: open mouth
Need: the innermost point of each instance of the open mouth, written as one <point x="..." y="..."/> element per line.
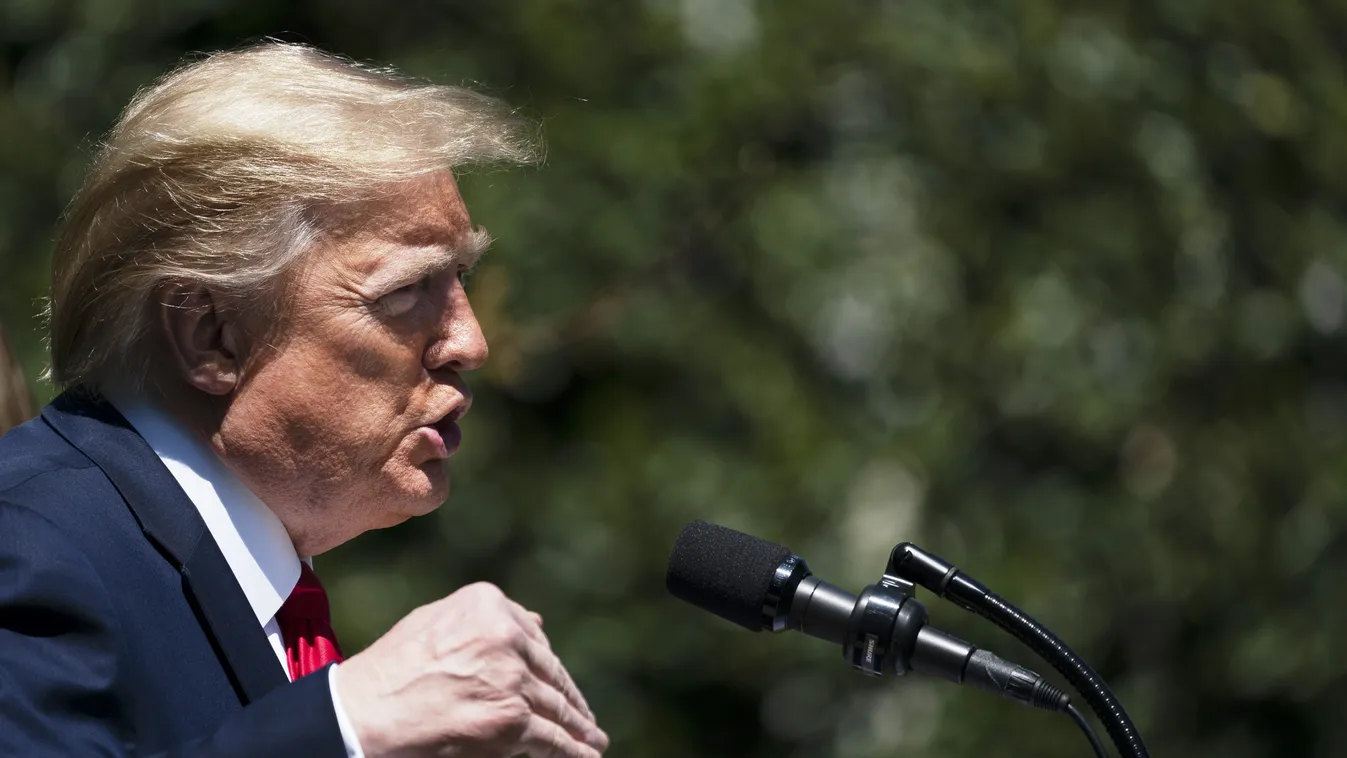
<point x="445" y="435"/>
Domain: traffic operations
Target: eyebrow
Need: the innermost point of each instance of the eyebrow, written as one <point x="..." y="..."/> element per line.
<point x="438" y="258"/>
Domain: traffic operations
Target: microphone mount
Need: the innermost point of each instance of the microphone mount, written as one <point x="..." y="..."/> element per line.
<point x="885" y="632"/>
<point x="761" y="585"/>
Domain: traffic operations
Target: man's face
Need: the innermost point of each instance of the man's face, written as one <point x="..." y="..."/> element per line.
<point x="348" y="424"/>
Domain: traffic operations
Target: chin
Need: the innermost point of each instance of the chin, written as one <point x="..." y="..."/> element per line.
<point x="429" y="490"/>
<point x="413" y="491"/>
<point x="405" y="507"/>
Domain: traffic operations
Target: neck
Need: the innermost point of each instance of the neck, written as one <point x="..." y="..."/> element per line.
<point x="208" y="418"/>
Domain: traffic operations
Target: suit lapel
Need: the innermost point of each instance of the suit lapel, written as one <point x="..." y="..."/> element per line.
<point x="225" y="609"/>
<point x="172" y="523"/>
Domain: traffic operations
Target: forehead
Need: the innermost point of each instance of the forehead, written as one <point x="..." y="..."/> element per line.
<point x="425" y="216"/>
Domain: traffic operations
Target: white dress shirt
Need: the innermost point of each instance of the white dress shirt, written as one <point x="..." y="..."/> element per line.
<point x="251" y="537"/>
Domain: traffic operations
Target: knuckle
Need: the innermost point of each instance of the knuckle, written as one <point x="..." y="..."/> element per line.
<point x="503" y="632"/>
<point x="515" y="711"/>
<point x="514" y="676"/>
<point x="504" y="730"/>
<point x="503" y="681"/>
<point x="564" y="681"/>
<point x="485" y="591"/>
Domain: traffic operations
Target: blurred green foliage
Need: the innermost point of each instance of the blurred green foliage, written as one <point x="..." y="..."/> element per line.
<point x="1054" y="288"/>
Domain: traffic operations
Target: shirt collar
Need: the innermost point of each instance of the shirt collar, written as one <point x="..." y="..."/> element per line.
<point x="251" y="537"/>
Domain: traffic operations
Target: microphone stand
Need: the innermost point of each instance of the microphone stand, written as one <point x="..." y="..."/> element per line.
<point x="909" y="563"/>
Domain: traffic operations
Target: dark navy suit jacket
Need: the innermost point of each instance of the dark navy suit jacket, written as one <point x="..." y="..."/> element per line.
<point x="122" y="628"/>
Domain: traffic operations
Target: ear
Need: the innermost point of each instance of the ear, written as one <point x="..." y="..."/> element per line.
<point x="205" y="342"/>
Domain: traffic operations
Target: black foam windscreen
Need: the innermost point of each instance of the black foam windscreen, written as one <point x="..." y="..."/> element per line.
<point x="723" y="571"/>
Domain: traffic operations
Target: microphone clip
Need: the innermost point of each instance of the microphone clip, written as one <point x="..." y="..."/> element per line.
<point x="883" y="628"/>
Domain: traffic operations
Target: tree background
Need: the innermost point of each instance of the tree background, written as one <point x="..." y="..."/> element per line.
<point x="1055" y="289"/>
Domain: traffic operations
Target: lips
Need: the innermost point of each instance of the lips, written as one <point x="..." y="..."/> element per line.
<point x="444" y="434"/>
<point x="457" y="411"/>
<point x="449" y="433"/>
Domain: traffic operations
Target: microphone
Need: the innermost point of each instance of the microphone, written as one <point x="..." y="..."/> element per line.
<point x="761" y="585"/>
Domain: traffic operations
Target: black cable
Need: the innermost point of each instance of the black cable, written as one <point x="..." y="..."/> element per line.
<point x="1084" y="724"/>
<point x="913" y="564"/>
<point x="1090" y="685"/>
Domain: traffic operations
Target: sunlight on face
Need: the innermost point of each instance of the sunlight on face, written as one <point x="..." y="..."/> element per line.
<point x="349" y="424"/>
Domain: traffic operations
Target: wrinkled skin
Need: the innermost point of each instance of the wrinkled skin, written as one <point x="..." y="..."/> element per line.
<point x="469" y="676"/>
<point x="332" y="425"/>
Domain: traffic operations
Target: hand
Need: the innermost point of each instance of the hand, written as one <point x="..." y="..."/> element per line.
<point x="468" y="676"/>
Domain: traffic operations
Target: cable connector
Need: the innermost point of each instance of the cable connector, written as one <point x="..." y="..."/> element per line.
<point x="989" y="672"/>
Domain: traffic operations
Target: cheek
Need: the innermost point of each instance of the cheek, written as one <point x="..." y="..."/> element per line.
<point x="368" y="353"/>
<point x="342" y="400"/>
<point x="382" y="362"/>
<point x="374" y="383"/>
<point x="345" y="392"/>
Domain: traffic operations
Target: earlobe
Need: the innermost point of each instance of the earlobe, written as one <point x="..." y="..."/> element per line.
<point x="201" y="338"/>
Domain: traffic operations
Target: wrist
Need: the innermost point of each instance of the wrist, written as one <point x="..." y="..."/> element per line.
<point x="349" y="736"/>
<point x="354" y="714"/>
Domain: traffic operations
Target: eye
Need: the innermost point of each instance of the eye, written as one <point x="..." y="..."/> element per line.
<point x="403" y="299"/>
<point x="463" y="273"/>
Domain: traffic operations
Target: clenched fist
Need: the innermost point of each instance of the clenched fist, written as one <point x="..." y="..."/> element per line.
<point x="468" y="676"/>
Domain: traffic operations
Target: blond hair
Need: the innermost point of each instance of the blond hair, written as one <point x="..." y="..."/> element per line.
<point x="217" y="175"/>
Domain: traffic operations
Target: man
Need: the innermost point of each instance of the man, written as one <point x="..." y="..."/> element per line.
<point x="259" y="324"/>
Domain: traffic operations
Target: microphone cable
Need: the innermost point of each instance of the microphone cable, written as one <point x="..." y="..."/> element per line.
<point x="1084" y="724"/>
<point x="942" y="578"/>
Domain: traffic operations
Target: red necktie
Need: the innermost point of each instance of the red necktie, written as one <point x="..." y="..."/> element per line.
<point x="306" y="626"/>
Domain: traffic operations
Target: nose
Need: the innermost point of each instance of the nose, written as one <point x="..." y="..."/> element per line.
<point x="459" y="344"/>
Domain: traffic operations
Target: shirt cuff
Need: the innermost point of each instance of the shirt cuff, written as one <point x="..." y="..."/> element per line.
<point x="348" y="735"/>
